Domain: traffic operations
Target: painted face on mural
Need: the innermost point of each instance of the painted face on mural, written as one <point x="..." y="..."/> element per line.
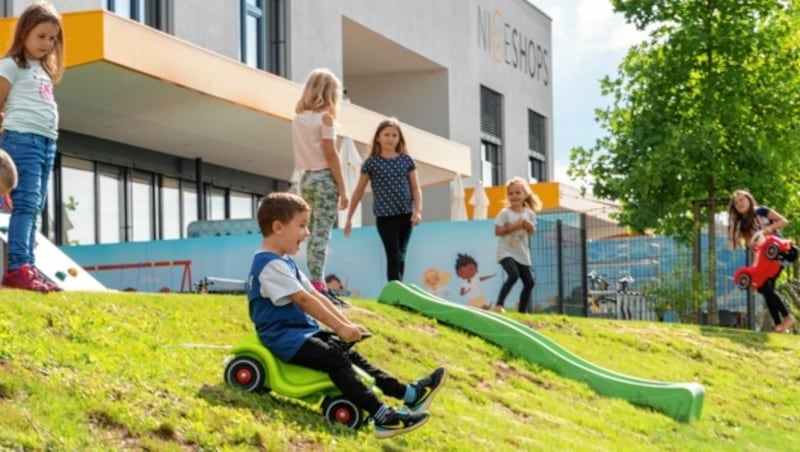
<point x="467" y="271"/>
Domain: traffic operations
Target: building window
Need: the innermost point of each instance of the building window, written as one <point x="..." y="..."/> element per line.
<point x="242" y="205"/>
<point x="536" y="167"/>
<point x="491" y="136"/>
<point x="142" y="208"/>
<point x="264" y="35"/>
<point x="537" y="145"/>
<point x="148" y="12"/>
<point x="78" y="191"/>
<point x="171" y="208"/>
<point x="189" y="203"/>
<point x="110" y="200"/>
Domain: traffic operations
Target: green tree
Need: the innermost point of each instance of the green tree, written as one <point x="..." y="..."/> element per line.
<point x="709" y="103"/>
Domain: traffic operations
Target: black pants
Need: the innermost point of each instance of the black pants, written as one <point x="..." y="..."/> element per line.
<point x="326" y="353"/>
<point x="514" y="270"/>
<point x="777" y="308"/>
<point x="395" y="231"/>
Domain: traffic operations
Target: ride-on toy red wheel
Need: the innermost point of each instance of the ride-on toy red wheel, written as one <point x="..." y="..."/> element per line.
<point x="743" y="282"/>
<point x="341" y="411"/>
<point x="245" y="373"/>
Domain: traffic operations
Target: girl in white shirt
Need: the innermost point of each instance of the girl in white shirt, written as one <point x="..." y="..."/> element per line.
<point x="513" y="226"/>
<point x="322" y="184"/>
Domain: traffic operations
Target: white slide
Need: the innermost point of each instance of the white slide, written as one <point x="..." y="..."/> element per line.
<point x="54" y="264"/>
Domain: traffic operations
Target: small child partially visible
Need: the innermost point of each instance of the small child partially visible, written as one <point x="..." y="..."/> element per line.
<point x="8" y="177"/>
<point x="285" y="308"/>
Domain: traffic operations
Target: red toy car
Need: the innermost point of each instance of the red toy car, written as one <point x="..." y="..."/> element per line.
<point x="769" y="255"/>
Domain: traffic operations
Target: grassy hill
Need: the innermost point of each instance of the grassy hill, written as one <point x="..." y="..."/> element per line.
<point x="144" y="371"/>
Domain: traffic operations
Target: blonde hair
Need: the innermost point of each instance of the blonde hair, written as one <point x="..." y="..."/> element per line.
<point x="35" y="14"/>
<point x="401" y="143"/>
<point x="322" y="91"/>
<point x="531" y="200"/>
<point x="8" y="171"/>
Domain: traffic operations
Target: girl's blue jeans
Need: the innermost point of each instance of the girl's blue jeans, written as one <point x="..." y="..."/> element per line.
<point x="34" y="155"/>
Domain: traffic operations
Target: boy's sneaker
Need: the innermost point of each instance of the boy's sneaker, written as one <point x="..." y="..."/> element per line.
<point x="426" y="389"/>
<point x="25" y="277"/>
<point x="398" y="422"/>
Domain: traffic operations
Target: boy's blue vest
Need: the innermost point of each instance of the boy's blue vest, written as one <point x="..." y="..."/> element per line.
<point x="282" y="329"/>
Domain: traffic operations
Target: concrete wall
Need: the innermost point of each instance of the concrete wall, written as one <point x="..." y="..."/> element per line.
<point x="416" y="98"/>
<point x="212" y="24"/>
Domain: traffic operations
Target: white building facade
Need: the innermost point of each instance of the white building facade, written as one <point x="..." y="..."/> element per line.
<point x="179" y="110"/>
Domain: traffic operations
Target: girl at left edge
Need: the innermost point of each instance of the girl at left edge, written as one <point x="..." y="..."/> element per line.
<point x="32" y="65"/>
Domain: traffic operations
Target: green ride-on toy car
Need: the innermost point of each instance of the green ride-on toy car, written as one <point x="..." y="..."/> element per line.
<point x="253" y="368"/>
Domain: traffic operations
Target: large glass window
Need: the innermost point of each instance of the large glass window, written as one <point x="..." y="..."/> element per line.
<point x="110" y="199"/>
<point x="215" y="203"/>
<point x="189" y="194"/>
<point x="78" y="188"/>
<point x="242" y="205"/>
<point x="142" y="207"/>
<point x="263" y="37"/>
<point x="170" y="208"/>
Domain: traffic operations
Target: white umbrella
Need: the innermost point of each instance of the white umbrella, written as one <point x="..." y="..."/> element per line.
<point x="479" y="201"/>
<point x="351" y="161"/>
<point x="458" y="211"/>
<point x="294" y="181"/>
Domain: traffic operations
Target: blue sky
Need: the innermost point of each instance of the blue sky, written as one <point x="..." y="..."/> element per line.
<point x="589" y="42"/>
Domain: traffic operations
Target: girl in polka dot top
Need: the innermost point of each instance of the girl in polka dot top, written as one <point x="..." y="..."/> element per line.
<point x="397" y="202"/>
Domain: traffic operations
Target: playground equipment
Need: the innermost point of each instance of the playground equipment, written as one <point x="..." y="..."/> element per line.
<point x="253" y="368"/>
<point x="681" y="401"/>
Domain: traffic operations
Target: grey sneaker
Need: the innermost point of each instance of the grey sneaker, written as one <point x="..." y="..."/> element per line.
<point x="426" y="388"/>
<point x="399" y="422"/>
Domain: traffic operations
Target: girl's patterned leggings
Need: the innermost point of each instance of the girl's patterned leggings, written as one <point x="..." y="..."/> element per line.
<point x="319" y="190"/>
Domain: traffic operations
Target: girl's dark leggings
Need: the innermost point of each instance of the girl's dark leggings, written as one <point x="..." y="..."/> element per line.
<point x="395" y="232"/>
<point x="777" y="308"/>
<point x="514" y="270"/>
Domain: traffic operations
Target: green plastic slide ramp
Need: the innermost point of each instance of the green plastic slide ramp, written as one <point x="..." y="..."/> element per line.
<point x="681" y="401"/>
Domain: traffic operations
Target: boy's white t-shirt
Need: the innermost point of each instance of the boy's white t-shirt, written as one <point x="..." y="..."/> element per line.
<point x="516" y="244"/>
<point x="30" y="106"/>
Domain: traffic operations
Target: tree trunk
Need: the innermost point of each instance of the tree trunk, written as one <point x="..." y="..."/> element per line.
<point x="711" y="210"/>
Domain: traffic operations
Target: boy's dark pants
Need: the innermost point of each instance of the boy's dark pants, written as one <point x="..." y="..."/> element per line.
<point x="395" y="232"/>
<point x="326" y="353"/>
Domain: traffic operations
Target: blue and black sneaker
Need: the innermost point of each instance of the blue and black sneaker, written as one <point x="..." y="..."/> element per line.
<point x="397" y="422"/>
<point x="426" y="388"/>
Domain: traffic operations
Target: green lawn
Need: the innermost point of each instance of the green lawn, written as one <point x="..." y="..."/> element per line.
<point x="85" y="371"/>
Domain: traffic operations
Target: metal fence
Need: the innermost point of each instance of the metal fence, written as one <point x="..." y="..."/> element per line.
<point x="639" y="277"/>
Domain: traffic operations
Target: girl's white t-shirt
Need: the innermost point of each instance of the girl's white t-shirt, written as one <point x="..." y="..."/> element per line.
<point x="516" y="244"/>
<point x="30" y="106"/>
<point x="308" y="131"/>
